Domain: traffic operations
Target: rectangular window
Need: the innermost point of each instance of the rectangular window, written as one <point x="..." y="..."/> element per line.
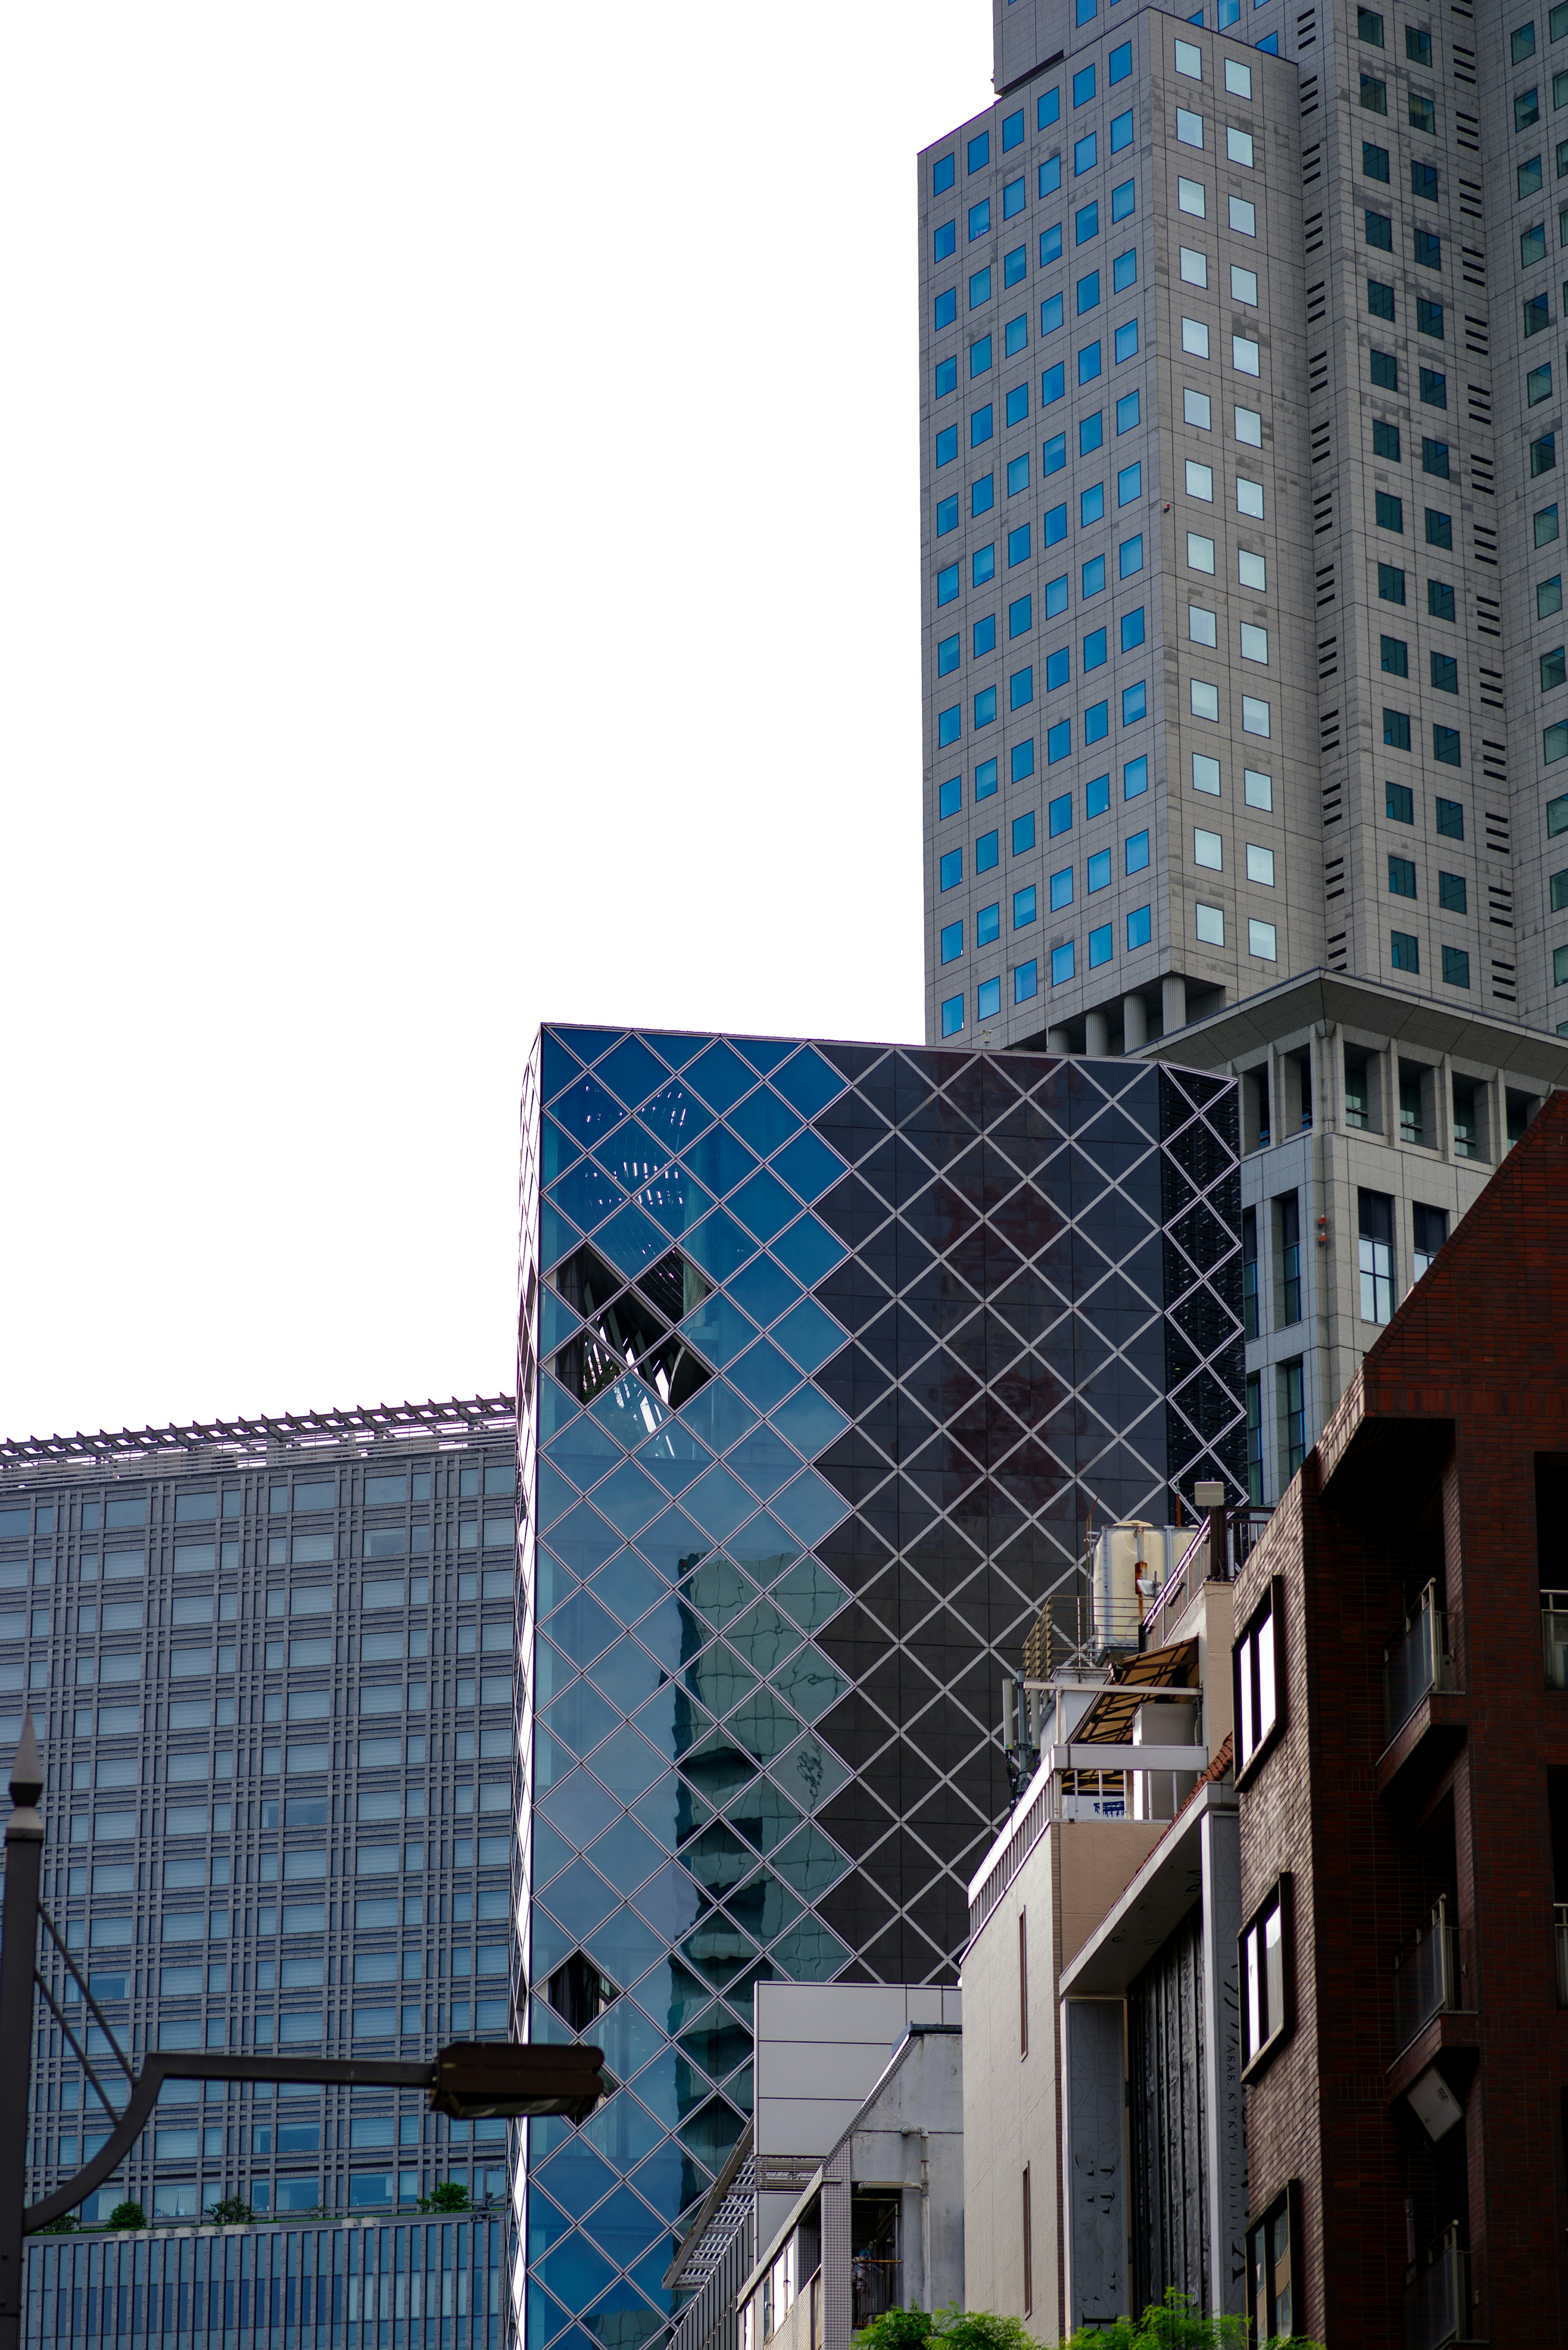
<point x="1028" y="2241"/>
<point x="1445" y="670"/>
<point x="1375" y="1240"/>
<point x="1390" y="512"/>
<point x="1374" y="160"/>
<point x="1440" y="528"/>
<point x="1435" y="458"/>
<point x="1265" y="1977"/>
<point x="1249" y="1262"/>
<point x="1440" y="600"/>
<point x="1401" y="878"/>
<point x="1405" y="951"/>
<point x="1446" y="747"/>
<point x="1258" y="1711"/>
<point x="1255" y="1440"/>
<point x="1124" y="201"/>
<point x="1396" y="729"/>
<point x="1396" y="656"/>
<point x="1451" y="818"/>
<point x="1390" y="582"/>
<point x="1434" y="388"/>
<point x="1379" y="299"/>
<point x="1290" y="1257"/>
<point x="1385" y="370"/>
<point x="1026" y="982"/>
<point x="1430" y="318"/>
<point x="1379" y="231"/>
<point x="1385" y="439"/>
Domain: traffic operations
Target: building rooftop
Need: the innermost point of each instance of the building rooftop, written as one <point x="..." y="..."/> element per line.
<point x="460" y="1419"/>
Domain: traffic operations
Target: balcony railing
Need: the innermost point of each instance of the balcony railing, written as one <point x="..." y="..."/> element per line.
<point x="1416" y="1662"/>
<point x="1555" y="1637"/>
<point x="874" y="2287"/>
<point x="1437" y="2298"/>
<point x="1426" y="1976"/>
<point x="1562" y="1953"/>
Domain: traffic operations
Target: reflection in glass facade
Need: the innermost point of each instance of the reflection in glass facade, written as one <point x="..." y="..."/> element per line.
<point x="827" y="1354"/>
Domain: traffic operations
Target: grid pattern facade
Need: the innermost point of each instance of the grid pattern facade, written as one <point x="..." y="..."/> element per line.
<point x="424" y="2285"/>
<point x="273" y="1680"/>
<point x="828" y="1354"/>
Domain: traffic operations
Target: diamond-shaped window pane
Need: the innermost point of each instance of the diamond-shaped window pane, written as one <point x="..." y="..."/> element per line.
<point x="675" y="1115"/>
<point x="622" y="2129"/>
<point x="579" y="1808"/>
<point x="764" y="1815"/>
<point x="629" y="1589"/>
<point x="674" y="1457"/>
<point x="582" y="1630"/>
<point x="556" y="1321"/>
<point x="718" y="1951"/>
<point x="632" y="1070"/>
<point x="576" y="2271"/>
<point x="807" y="1082"/>
<point x="719" y="1677"/>
<point x="809" y="1507"/>
<point x="764" y="1054"/>
<point x="632" y="1154"/>
<point x="763" y="1375"/>
<point x="717" y="1590"/>
<point x="586" y="1193"/>
<point x="809" y="1167"/>
<point x="764" y="1289"/>
<point x="811" y="1862"/>
<point x="673" y="1545"/>
<point x="719" y="1245"/>
<point x="808" y="1336"/>
<point x="583" y="1452"/>
<point x="720" y="1075"/>
<point x="588" y="1111"/>
<point x="674" y="1286"/>
<point x="719" y="1160"/>
<point x="557" y="1234"/>
<point x="763" y="1726"/>
<point x="675" y="1201"/>
<point x="627" y="1765"/>
<point x="764" y="1461"/>
<point x="717" y="2043"/>
<point x="628" y="1674"/>
<point x="581" y="1901"/>
<point x="557" y="1151"/>
<point x="763" y="1636"/>
<point x="809" y="1953"/>
<point x="809" y="1594"/>
<point x="810" y="1422"/>
<point x="763" y="1204"/>
<point x="630" y="1498"/>
<point x="718" y="1859"/>
<point x="631" y="1240"/>
<point x="719" y="1415"/>
<point x="626" y="1856"/>
<point x="810" y="1683"/>
<point x="623" y="2227"/>
<point x="810" y="1771"/>
<point x="765" y="1548"/>
<point x="712" y="2133"/>
<point x="720" y="1503"/>
<point x="583" y="1540"/>
<point x="718" y="1329"/>
<point x="763" y="1906"/>
<point x="719" y="1767"/>
<point x="765" y="1122"/>
<point x="630" y="1410"/>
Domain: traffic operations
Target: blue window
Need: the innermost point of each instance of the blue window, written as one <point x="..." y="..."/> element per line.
<point x="949" y="796"/>
<point x="1430" y="318"/>
<point x="985" y="779"/>
<point x="1129" y="484"/>
<point x="1058" y="669"/>
<point x="1406" y="951"/>
<point x="1124" y="271"/>
<point x="1138" y="929"/>
<point x="1061" y="889"/>
<point x="1087" y="11"/>
<point x="1134" y="776"/>
<point x="1018" y="404"/>
<point x="1017" y="474"/>
<point x="1050" y="176"/>
<point x="1052" y="384"/>
<point x="1026" y="982"/>
<point x="1051" y="315"/>
<point x="950" y="870"/>
<point x="1018" y="545"/>
<point x="1132" y="629"/>
<point x="978" y="154"/>
<point x="947" y="516"/>
<point x="946" y="377"/>
<point x="988" y="926"/>
<point x="944" y="241"/>
<point x="1087" y="223"/>
<point x="946" y="445"/>
<point x="1088" y="363"/>
<point x="1130" y="555"/>
<point x="982" y="565"/>
<point x="1050" y="245"/>
<point x="1091" y="505"/>
<point x="946" y="308"/>
<point x="1020" y="616"/>
<point x="1056" y="596"/>
<point x="979" y="219"/>
<point x="949" y="654"/>
<point x="1060" y="815"/>
<point x="979" y="293"/>
<point x="1093" y="576"/>
<point x="1055" y="525"/>
<point x="988" y="999"/>
<point x="1013" y="132"/>
<point x="1021" y="689"/>
<point x="948" y="583"/>
<point x="1099" y="870"/>
<point x="1014" y="197"/>
<point x="1089" y="297"/>
<point x="1015" y="337"/>
<point x="1091" y="433"/>
<point x="1096" y="796"/>
<point x="1059" y="742"/>
<point x="1124" y="201"/>
<point x="1126" y="413"/>
<point x="1021" y="763"/>
<point x="985" y="707"/>
<point x="1127" y="342"/>
<point x="1094" y="650"/>
<point x="950" y="725"/>
<point x="1015" y="265"/>
<point x="1022" y="834"/>
<point x="1270" y="42"/>
<point x="942" y="174"/>
<point x="1047" y="107"/>
<point x="1134" y="703"/>
<point x="980" y="425"/>
<point x="1085" y="155"/>
<point x="982" y="493"/>
<point x="952" y="942"/>
<point x="1054" y="455"/>
<point x="1136" y="852"/>
<point x="1099" y="946"/>
<point x="980" y="357"/>
<point x="1096" y="722"/>
<point x="1083" y="86"/>
<point x="1024" y="908"/>
<point x="1121" y="131"/>
<point x="985" y="635"/>
<point x="987" y="851"/>
<point x="952" y="1016"/>
<point x="1120" y="64"/>
<point x="1062" y="964"/>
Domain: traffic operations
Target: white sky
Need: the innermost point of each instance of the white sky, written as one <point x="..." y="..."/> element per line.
<point x="458" y="567"/>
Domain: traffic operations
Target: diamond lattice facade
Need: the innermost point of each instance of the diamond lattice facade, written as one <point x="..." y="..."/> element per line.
<point x="828" y="1354"/>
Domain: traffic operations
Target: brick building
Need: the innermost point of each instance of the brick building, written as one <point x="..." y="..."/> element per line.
<point x="1402" y="1761"/>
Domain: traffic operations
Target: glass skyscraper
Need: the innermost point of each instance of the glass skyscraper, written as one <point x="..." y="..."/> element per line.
<point x="828" y="1354"/>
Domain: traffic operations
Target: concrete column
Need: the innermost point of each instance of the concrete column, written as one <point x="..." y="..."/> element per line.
<point x="1096" y="1035"/>
<point x="1135" y="1022"/>
<point x="1172" y="1003"/>
<point x="1057" y="1040"/>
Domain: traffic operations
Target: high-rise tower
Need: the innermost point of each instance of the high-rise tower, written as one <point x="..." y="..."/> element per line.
<point x="1229" y="599"/>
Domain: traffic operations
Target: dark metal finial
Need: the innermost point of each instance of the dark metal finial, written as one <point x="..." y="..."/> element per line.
<point x="27" y="1770"/>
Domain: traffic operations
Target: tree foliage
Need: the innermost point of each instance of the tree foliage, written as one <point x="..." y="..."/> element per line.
<point x="1173" y="2324"/>
<point x="229" y="2211"/>
<point x="448" y="2197"/>
<point x="128" y="2215"/>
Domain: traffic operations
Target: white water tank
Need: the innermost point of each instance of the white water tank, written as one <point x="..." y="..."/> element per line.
<point x="1128" y="1568"/>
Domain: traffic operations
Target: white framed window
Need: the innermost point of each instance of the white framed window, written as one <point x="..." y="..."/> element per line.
<point x="1211" y="923"/>
<point x="1258" y="1692"/>
<point x="1249" y="498"/>
<point x="1200" y="480"/>
<point x="1202" y="629"/>
<point x="1243" y="285"/>
<point x="1239" y="148"/>
<point x="1260" y="941"/>
<point x="1237" y="78"/>
<point x="1254" y="643"/>
<point x="1250" y="569"/>
<point x="1194" y="266"/>
<point x="1246" y="355"/>
<point x="1261" y="865"/>
<point x="1205" y="774"/>
<point x="1264" y="1989"/>
<point x="1258" y="789"/>
<point x="1208" y="850"/>
<point x="1197" y="409"/>
<point x="1190" y="60"/>
<point x="1249" y="426"/>
<point x="1243" y="216"/>
<point x="1205" y="701"/>
<point x="1189" y="127"/>
<point x="1199" y="552"/>
<point x="1194" y="338"/>
<point x="1191" y="197"/>
<point x="1255" y="716"/>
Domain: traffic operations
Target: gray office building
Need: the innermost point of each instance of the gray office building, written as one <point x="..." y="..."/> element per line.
<point x="271" y="1665"/>
<point x="1246" y="702"/>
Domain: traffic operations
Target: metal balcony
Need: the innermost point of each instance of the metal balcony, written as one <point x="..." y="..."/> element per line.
<point x="874" y="2288"/>
<point x="1555" y="1637"/>
<point x="1416" y="1662"/>
<point x="1437" y="2298"/>
<point x="1426" y="1976"/>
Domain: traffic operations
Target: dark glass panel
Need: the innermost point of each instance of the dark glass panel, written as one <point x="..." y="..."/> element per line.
<point x="674" y="1286"/>
<point x="675" y="1115"/>
<point x="632" y="1070"/>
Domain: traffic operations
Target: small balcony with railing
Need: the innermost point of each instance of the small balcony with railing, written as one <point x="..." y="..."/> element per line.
<point x="1437" y="2295"/>
<point x="1415" y="1663"/>
<point x="1429" y="1975"/>
<point x="1555" y="1637"/>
